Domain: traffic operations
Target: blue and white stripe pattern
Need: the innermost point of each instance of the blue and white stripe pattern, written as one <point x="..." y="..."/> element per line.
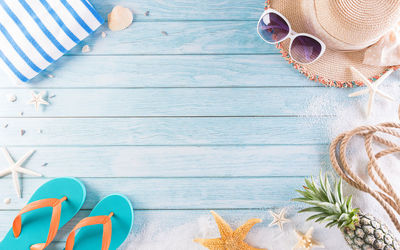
<point x="35" y="33"/>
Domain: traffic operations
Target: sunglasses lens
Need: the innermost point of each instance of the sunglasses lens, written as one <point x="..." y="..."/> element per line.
<point x="305" y="49"/>
<point x="273" y="28"/>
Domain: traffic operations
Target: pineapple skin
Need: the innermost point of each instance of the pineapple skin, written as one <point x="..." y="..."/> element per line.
<point x="370" y="234"/>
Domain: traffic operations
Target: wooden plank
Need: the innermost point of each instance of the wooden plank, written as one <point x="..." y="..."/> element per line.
<point x="153" y="221"/>
<point x="171" y="71"/>
<point x="176" y="193"/>
<point x="213" y="37"/>
<point x="173" y="102"/>
<point x="177" y="161"/>
<point x="187" y="10"/>
<point x="165" y="131"/>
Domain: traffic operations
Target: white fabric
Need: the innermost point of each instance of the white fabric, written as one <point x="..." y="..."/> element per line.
<point x="35" y="33"/>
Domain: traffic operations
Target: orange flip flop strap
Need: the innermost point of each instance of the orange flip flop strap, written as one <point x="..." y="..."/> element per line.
<point x="54" y="223"/>
<point x="89" y="221"/>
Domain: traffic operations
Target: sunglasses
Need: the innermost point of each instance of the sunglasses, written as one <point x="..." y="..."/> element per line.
<point x="304" y="48"/>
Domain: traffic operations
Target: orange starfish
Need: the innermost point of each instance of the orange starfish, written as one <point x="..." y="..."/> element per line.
<point x="230" y="240"/>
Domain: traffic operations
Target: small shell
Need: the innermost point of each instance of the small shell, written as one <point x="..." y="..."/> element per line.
<point x="5" y="125"/>
<point x="147" y="13"/>
<point x="7" y="201"/>
<point x="103" y="34"/>
<point x="164" y="33"/>
<point x="23" y="131"/>
<point x="50" y="76"/>
<point x="12" y="97"/>
<point x="119" y="18"/>
<point x="86" y="49"/>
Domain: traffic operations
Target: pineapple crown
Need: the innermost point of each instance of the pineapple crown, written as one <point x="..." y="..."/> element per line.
<point x="329" y="206"/>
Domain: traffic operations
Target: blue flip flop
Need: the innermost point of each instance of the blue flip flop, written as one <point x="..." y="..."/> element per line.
<point x="106" y="228"/>
<point x="50" y="207"/>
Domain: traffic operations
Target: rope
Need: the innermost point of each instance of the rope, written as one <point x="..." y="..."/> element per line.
<point x="384" y="193"/>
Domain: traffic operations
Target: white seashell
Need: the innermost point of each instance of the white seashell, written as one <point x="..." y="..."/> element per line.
<point x="7" y="201"/>
<point x="86" y="49"/>
<point x="12" y="97"/>
<point x="119" y="18"/>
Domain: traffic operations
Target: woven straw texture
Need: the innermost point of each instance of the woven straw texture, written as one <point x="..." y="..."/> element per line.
<point x="357" y="21"/>
<point x="333" y="68"/>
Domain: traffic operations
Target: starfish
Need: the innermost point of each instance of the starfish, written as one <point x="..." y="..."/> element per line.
<point x="37" y="100"/>
<point x="372" y="88"/>
<point x="306" y="241"/>
<point x="229" y="239"/>
<point x="279" y="218"/>
<point x="15" y="168"/>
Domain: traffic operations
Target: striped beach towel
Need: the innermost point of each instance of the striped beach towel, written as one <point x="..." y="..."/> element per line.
<point x="35" y="33"/>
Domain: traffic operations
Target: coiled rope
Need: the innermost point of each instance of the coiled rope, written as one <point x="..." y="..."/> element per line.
<point x="384" y="193"/>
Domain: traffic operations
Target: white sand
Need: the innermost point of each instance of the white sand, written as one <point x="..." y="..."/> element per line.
<point x="342" y="117"/>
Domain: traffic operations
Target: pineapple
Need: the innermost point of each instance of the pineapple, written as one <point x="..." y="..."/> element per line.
<point x="360" y="231"/>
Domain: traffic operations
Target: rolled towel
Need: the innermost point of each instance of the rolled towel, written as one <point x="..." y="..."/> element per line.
<point x="35" y="33"/>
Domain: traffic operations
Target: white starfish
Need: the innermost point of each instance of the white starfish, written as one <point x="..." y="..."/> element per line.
<point x="16" y="167"/>
<point x="372" y="88"/>
<point x="37" y="100"/>
<point x="279" y="218"/>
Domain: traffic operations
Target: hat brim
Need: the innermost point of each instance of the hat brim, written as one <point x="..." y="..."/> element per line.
<point x="333" y="67"/>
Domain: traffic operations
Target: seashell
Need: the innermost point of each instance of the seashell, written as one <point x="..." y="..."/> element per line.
<point x="7" y="201"/>
<point x="86" y="49"/>
<point x="12" y="98"/>
<point x="119" y="18"/>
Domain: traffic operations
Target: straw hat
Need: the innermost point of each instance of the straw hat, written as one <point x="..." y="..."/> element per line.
<point x="347" y="27"/>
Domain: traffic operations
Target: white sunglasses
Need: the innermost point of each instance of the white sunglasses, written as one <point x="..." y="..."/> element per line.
<point x="273" y="27"/>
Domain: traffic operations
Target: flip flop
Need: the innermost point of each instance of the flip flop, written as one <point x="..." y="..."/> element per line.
<point x="106" y="228"/>
<point x="50" y="207"/>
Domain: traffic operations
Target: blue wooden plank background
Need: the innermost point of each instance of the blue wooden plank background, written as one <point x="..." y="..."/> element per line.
<point x="206" y="117"/>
